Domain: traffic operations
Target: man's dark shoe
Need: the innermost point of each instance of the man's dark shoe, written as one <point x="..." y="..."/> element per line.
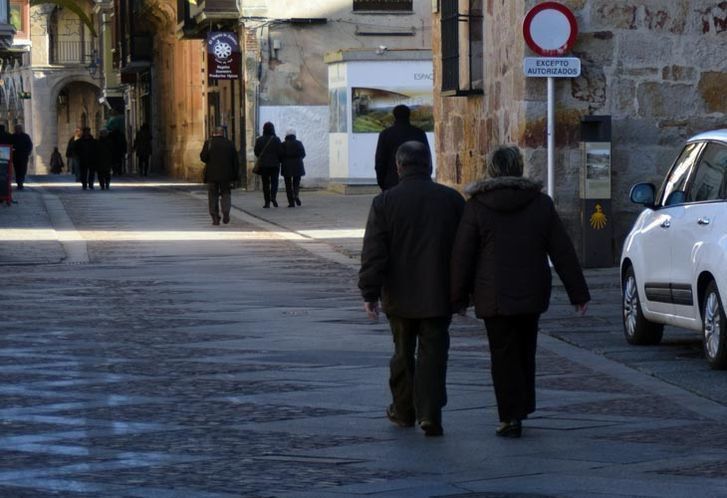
<point x="511" y="428"/>
<point x="297" y="201"/>
<point x="226" y="218"/>
<point x="396" y="419"/>
<point x="215" y="220"/>
<point x="275" y="203"/>
<point x="430" y="428"/>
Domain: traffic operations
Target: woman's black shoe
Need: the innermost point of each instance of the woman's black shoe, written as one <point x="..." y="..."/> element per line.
<point x="511" y="428"/>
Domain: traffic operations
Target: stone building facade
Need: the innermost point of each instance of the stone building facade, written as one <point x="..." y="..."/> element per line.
<point x="657" y="67"/>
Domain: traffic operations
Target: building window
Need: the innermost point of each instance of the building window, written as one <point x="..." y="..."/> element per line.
<point x="19" y="19"/>
<point x="462" y="47"/>
<point x="382" y="5"/>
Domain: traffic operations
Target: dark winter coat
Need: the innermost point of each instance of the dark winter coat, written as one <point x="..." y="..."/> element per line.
<point x="221" y="161"/>
<point x="71" y="148"/>
<point x="86" y="149"/>
<point x="104" y="154"/>
<point x="389" y="141"/>
<point x="270" y="155"/>
<point x="508" y="230"/>
<point x="293" y="154"/>
<point x="407" y="247"/>
<point x="23" y="147"/>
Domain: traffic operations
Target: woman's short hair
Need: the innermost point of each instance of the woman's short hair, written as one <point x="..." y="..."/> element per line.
<point x="505" y="161"/>
<point x="269" y="128"/>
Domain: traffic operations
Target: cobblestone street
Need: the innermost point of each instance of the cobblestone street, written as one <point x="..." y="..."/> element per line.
<point x="147" y="353"/>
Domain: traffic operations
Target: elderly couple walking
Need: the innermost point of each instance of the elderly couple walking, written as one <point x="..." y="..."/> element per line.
<point x="427" y="254"/>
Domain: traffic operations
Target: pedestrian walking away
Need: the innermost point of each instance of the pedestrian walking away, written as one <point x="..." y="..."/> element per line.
<point x="56" y="162"/>
<point x="389" y="141"/>
<point x="405" y="263"/>
<point x="292" y="167"/>
<point x="104" y="159"/>
<point x="500" y="261"/>
<point x="22" y="148"/>
<point x="72" y="156"/>
<point x="142" y="147"/>
<point x="221" y="169"/>
<point x="268" y="151"/>
<point x="86" y="149"/>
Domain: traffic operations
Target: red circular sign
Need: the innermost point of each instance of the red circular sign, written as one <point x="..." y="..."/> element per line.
<point x="550" y="29"/>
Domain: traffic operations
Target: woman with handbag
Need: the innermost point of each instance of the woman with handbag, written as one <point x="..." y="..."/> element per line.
<point x="268" y="151"/>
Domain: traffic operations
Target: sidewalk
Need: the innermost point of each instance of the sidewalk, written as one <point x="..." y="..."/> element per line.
<point x="28" y="235"/>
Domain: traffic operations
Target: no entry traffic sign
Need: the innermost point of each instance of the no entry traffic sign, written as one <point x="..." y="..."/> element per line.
<point x="550" y="29"/>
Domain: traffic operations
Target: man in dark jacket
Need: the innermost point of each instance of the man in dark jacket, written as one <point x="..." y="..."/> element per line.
<point x="221" y="169"/>
<point x="508" y="230"/>
<point x="405" y="262"/>
<point x="86" y="149"/>
<point x="23" y="147"/>
<point x="389" y="141"/>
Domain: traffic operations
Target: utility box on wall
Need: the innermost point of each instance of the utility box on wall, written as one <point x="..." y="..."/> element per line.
<point x="597" y="242"/>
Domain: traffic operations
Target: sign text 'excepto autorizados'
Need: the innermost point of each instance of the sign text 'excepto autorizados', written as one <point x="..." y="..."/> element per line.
<point x="552" y="67"/>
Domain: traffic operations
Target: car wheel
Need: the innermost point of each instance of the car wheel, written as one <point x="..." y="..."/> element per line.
<point x="637" y="329"/>
<point x="714" y="328"/>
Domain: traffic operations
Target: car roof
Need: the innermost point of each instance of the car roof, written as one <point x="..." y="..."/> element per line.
<point x="717" y="135"/>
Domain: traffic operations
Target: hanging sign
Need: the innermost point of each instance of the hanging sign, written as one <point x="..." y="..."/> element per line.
<point x="223" y="56"/>
<point x="550" y="29"/>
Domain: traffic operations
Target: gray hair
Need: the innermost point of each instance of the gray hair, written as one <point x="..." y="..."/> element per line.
<point x="219" y="131"/>
<point x="505" y="161"/>
<point x="414" y="155"/>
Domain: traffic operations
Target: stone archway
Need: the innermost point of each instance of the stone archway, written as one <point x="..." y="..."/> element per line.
<point x="76" y="103"/>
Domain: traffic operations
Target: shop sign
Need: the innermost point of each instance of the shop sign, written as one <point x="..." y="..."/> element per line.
<point x="223" y="56"/>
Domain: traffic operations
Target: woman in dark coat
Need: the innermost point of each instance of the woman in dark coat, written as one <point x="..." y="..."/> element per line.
<point x="268" y="150"/>
<point x="104" y="159"/>
<point x="292" y="167"/>
<point x="500" y="258"/>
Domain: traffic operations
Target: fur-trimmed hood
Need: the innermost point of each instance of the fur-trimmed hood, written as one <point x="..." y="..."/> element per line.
<point x="504" y="193"/>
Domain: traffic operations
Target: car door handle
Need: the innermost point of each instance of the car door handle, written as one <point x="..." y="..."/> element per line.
<point x="703" y="221"/>
<point x="665" y="224"/>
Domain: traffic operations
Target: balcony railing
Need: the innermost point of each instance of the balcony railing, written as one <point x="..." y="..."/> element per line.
<point x="70" y="52"/>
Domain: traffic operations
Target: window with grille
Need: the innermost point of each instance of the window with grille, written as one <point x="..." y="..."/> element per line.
<point x="462" y="47"/>
<point x="381" y="5"/>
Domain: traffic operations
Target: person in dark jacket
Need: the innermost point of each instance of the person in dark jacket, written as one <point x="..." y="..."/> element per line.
<point x="142" y="147"/>
<point x="56" y="162"/>
<point x="86" y="149"/>
<point x="292" y="167"/>
<point x="405" y="263"/>
<point x="221" y="169"/>
<point x="508" y="230"/>
<point x="22" y="148"/>
<point x="269" y="151"/>
<point x="5" y="137"/>
<point x="118" y="151"/>
<point x="104" y="158"/>
<point x="389" y="141"/>
<point x="71" y="156"/>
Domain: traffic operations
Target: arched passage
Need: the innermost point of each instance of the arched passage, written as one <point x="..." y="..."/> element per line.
<point x="77" y="105"/>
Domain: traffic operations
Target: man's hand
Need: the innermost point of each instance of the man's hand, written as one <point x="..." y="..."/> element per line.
<point x="372" y="310"/>
<point x="581" y="308"/>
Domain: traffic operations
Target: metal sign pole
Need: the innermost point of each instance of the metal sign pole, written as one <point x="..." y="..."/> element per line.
<point x="551" y="136"/>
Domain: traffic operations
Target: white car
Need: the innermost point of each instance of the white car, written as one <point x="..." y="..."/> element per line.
<point x="674" y="260"/>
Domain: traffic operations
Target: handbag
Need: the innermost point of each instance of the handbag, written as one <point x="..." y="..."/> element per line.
<point x="258" y="167"/>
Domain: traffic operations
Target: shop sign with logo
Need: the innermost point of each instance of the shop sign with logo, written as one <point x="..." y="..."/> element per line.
<point x="223" y="56"/>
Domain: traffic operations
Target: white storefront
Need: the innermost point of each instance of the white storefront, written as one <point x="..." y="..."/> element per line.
<point x="364" y="86"/>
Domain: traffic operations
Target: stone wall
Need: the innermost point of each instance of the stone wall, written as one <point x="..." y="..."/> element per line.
<point x="656" y="66"/>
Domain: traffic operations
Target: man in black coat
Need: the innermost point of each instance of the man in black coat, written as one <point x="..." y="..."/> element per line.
<point x="221" y="169"/>
<point x="86" y="150"/>
<point x="23" y="147"/>
<point x="389" y="141"/>
<point x="405" y="262"/>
